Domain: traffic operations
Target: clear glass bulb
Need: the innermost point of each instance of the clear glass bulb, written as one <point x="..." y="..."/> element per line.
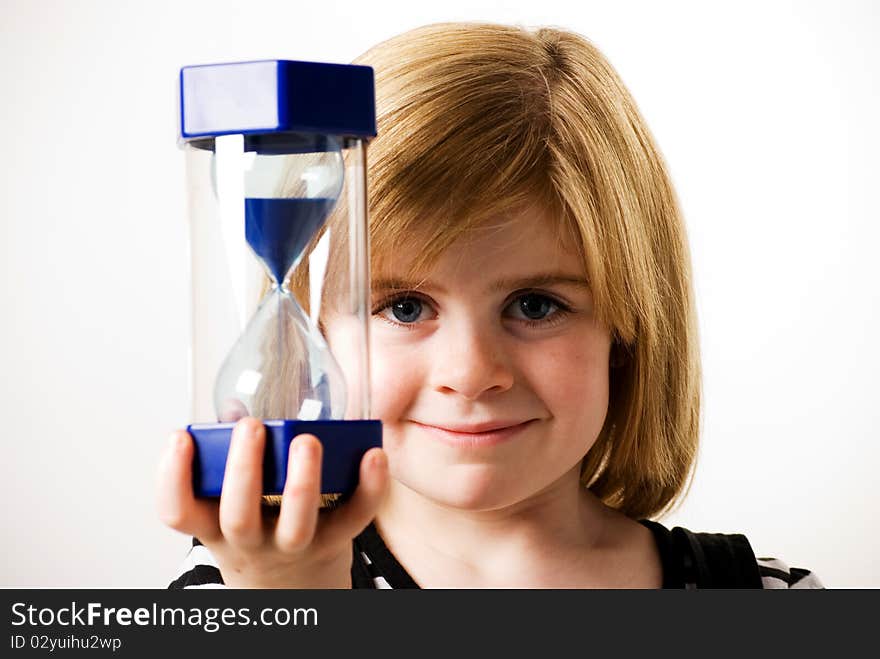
<point x="281" y="367"/>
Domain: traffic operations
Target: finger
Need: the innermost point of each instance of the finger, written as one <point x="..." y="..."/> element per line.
<point x="176" y="503"/>
<point x="240" y="517"/>
<point x="350" y="519"/>
<point x="301" y="498"/>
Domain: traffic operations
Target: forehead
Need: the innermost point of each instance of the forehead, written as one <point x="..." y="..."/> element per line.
<point x="521" y="240"/>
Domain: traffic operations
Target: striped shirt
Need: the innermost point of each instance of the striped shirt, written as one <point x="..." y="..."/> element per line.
<point x="689" y="561"/>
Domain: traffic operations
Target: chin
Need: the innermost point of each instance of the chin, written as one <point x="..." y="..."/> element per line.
<point x="466" y="487"/>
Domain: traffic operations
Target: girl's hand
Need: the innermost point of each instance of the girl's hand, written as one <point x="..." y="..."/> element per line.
<point x="295" y="547"/>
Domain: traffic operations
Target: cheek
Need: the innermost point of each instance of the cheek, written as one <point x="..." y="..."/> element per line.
<point x="571" y="377"/>
<point x="396" y="380"/>
<point x="396" y="371"/>
<point x="395" y="375"/>
<point x="343" y="340"/>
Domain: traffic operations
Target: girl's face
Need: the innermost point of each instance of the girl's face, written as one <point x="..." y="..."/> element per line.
<point x="491" y="375"/>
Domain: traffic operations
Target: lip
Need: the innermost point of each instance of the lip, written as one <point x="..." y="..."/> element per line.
<point x="475" y="435"/>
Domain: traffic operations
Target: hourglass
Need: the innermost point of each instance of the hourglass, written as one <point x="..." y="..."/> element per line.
<point x="276" y="166"/>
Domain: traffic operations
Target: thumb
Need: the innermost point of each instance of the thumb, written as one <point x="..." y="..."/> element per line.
<point x="347" y="521"/>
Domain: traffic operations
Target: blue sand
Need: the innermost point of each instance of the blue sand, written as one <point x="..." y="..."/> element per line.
<point x="278" y="230"/>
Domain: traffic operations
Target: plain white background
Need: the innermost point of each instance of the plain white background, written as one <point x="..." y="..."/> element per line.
<point x="765" y="111"/>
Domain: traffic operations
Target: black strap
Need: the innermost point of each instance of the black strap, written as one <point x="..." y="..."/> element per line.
<point x="717" y="560"/>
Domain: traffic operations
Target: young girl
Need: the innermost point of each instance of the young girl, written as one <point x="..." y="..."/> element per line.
<point x="533" y="342"/>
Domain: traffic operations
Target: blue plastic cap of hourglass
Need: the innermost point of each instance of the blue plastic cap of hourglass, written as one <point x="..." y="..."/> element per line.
<point x="345" y="443"/>
<point x="277" y="96"/>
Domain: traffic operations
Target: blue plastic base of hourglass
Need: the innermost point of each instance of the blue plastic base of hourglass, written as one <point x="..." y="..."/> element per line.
<point x="344" y="442"/>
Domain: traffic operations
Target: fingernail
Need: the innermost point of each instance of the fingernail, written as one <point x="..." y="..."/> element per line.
<point x="378" y="461"/>
<point x="248" y="427"/>
<point x="303" y="447"/>
<point x="296" y="446"/>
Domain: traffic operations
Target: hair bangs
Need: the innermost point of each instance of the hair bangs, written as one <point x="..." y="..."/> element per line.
<point x="472" y="150"/>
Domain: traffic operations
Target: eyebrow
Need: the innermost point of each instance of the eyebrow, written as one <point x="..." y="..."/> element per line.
<point x="533" y="281"/>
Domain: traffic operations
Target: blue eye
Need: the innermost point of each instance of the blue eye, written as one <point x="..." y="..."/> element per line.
<point x="532" y="309"/>
<point x="537" y="310"/>
<point x="535" y="307"/>
<point x="406" y="310"/>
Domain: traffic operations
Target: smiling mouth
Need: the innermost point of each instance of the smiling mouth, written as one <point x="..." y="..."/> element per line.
<point x="476" y="435"/>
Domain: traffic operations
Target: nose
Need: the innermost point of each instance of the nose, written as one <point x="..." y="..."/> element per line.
<point x="471" y="361"/>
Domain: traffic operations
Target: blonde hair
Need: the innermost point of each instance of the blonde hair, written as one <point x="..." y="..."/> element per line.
<point x="476" y="120"/>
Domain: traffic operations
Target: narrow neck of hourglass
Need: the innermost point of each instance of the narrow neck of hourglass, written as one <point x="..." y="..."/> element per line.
<point x="275" y="287"/>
